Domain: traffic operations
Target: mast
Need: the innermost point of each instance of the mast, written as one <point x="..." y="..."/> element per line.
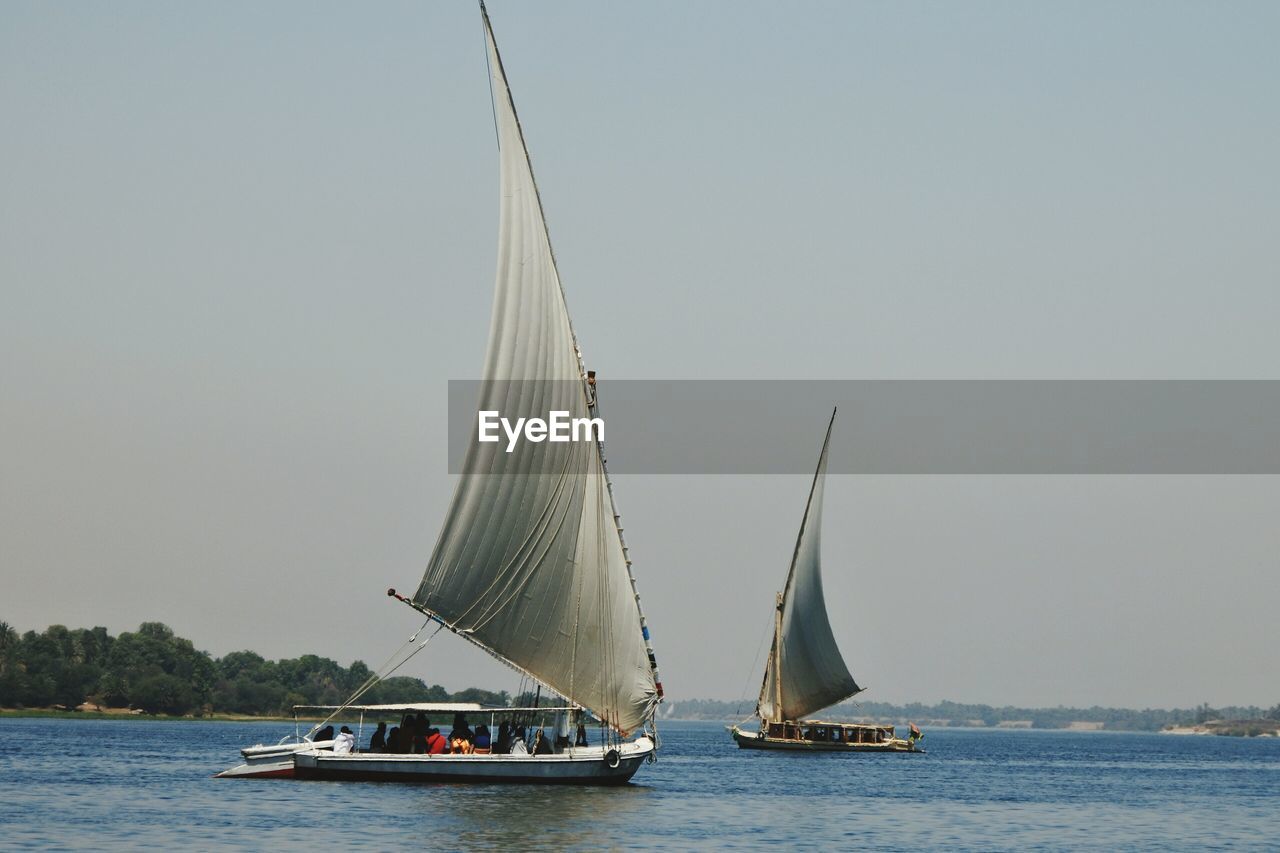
<point x="777" y="660"/>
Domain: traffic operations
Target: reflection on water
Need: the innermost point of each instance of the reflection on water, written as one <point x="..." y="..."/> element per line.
<point x="139" y="784"/>
<point x="556" y="815"/>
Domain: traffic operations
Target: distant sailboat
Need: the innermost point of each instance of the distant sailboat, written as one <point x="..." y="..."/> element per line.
<point x="531" y="565"/>
<point x="805" y="671"/>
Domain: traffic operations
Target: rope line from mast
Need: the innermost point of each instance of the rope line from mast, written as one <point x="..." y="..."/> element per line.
<point x="379" y="675"/>
<point x="746" y="682"/>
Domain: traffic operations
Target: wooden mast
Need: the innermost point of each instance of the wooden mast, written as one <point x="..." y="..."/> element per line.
<point x="777" y="660"/>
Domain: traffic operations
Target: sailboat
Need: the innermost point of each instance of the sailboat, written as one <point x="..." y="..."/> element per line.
<point x="531" y="565"/>
<point x="805" y="671"/>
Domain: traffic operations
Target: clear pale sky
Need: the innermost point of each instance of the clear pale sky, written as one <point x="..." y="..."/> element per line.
<point x="243" y="248"/>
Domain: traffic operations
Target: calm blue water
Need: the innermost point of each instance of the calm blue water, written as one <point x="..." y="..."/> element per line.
<point x="138" y="784"/>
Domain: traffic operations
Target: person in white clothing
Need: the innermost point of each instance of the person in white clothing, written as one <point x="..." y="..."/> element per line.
<point x="345" y="742"/>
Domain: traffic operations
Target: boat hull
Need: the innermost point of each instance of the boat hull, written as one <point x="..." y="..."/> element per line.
<point x="269" y="762"/>
<point x="587" y="766"/>
<point x="270" y="770"/>
<point x="752" y="740"/>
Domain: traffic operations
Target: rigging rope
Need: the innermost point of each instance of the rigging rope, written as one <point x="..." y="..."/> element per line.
<point x="378" y="675"/>
<point x="743" y="696"/>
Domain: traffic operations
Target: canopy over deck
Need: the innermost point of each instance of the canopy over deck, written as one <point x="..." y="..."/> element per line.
<point x="433" y="708"/>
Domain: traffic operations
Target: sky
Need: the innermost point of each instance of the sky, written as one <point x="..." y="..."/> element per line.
<point x="244" y="247"/>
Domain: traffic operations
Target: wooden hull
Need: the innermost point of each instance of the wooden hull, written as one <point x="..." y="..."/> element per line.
<point x="752" y="740"/>
<point x="586" y="766"/>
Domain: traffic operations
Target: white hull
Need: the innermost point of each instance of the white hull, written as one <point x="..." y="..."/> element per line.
<point x="270" y="762"/>
<point x="260" y="770"/>
<point x="580" y="766"/>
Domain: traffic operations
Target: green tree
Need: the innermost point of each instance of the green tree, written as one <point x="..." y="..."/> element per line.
<point x="484" y="697"/>
<point x="8" y="648"/>
<point x="161" y="693"/>
<point x="8" y="637"/>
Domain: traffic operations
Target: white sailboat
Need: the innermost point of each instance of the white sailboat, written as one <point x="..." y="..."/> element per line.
<point x="275" y="761"/>
<point x="805" y="671"/>
<point x="531" y="565"/>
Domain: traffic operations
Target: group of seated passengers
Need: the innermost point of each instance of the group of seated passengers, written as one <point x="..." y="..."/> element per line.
<point x="836" y="735"/>
<point x="415" y="735"/>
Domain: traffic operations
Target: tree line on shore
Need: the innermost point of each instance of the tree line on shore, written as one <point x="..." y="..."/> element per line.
<point x="961" y="714"/>
<point x="156" y="671"/>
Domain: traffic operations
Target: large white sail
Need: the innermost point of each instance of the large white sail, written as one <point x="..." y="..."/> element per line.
<point x="805" y="672"/>
<point x="530" y="562"/>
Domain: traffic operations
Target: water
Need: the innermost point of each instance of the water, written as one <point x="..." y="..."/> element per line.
<point x="139" y="784"/>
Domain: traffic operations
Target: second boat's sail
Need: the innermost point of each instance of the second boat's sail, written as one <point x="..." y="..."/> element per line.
<point x="530" y="563"/>
<point x="805" y="672"/>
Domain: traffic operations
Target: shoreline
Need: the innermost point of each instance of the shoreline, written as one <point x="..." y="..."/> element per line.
<point x="126" y="714"/>
<point x="1216" y="728"/>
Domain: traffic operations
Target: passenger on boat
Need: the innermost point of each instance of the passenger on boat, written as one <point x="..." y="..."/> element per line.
<point x="460" y="728"/>
<point x="421" y="725"/>
<point x="481" y="744"/>
<point x="518" y="746"/>
<point x="436" y="744"/>
<point x="541" y="746"/>
<point x="378" y="741"/>
<point x="393" y="740"/>
<point x="461" y="738"/>
<point x="324" y="734"/>
<point x="405" y="744"/>
<point x="581" y="739"/>
<point x="345" y="742"/>
<point x="502" y="745"/>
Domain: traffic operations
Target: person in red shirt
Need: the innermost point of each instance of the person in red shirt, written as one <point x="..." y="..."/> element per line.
<point x="436" y="744"/>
